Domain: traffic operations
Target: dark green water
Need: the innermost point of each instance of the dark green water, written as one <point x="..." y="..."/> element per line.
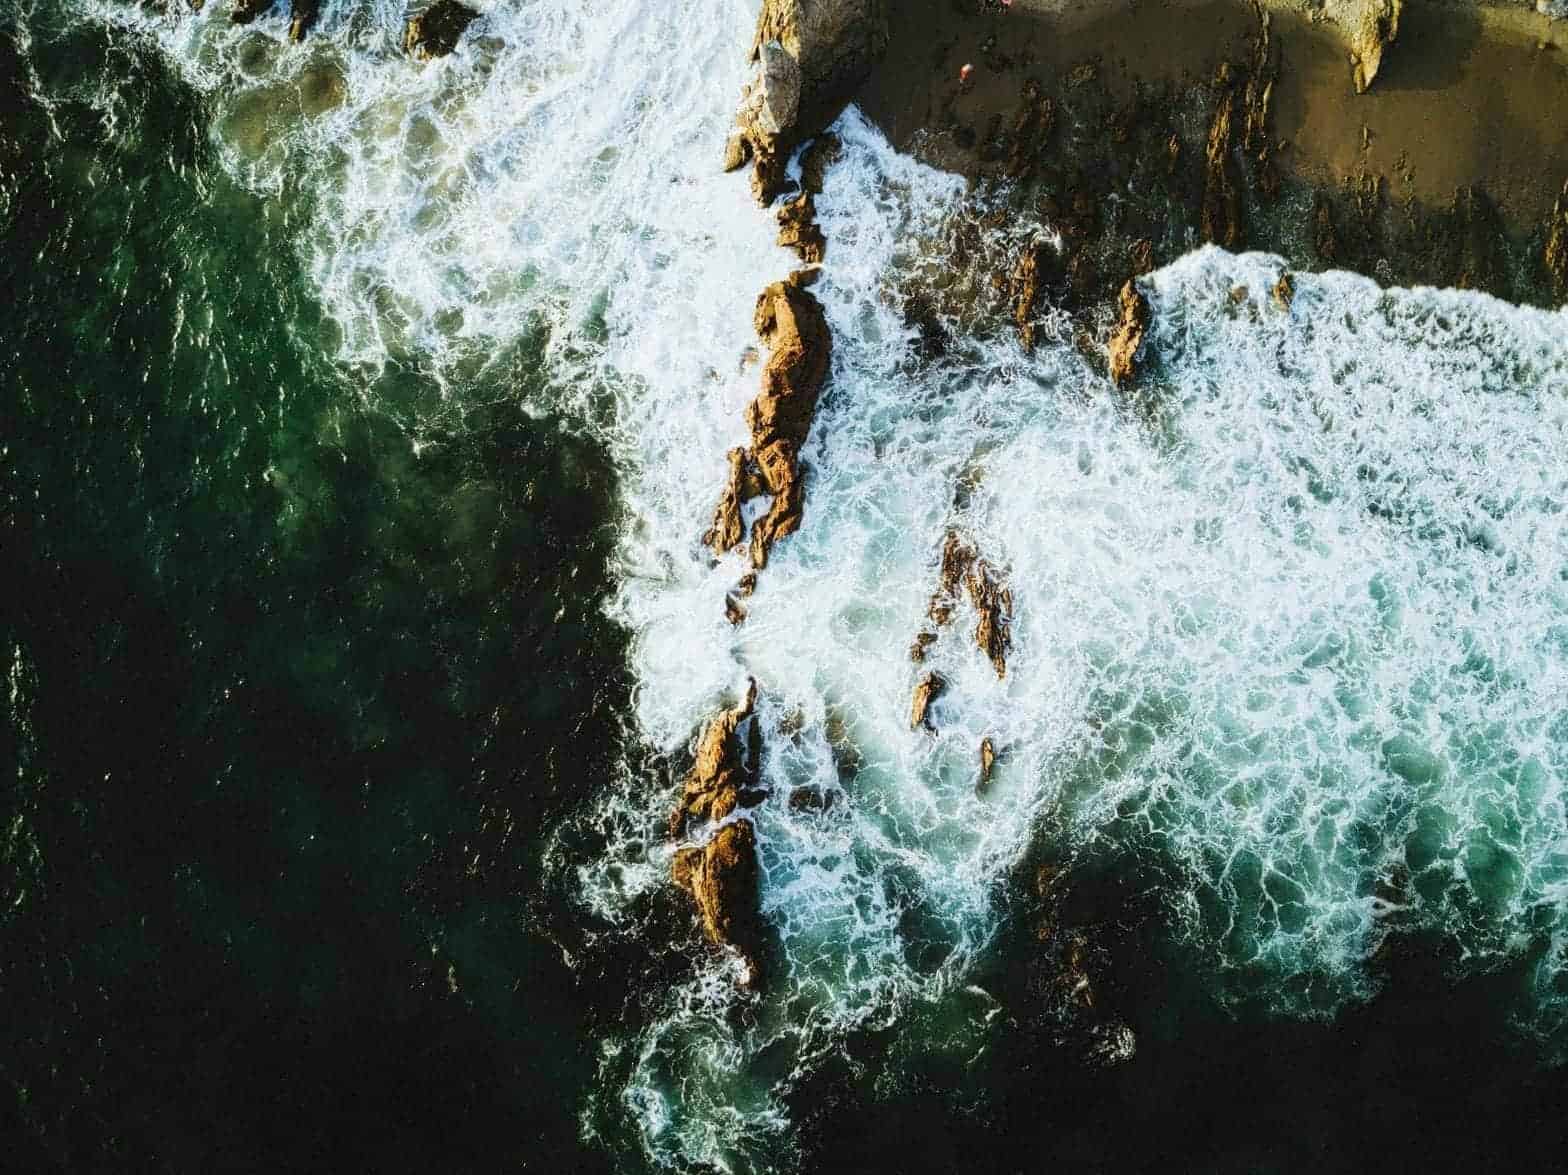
<point x="290" y="709"/>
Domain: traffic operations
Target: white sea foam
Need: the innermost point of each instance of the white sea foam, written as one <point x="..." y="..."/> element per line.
<point x="1293" y="624"/>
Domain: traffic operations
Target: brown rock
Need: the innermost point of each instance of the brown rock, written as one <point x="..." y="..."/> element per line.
<point x="736" y="151"/>
<point x="722" y="878"/>
<point x="1555" y="253"/>
<point x="1029" y="279"/>
<point x="245" y="11"/>
<point x="816" y="159"/>
<point x="1130" y="330"/>
<point x="928" y="690"/>
<point x="1284" y="290"/>
<point x="303" y="15"/>
<point x="746" y="584"/>
<point x="728" y="529"/>
<point x="436" y="31"/>
<point x="719" y="772"/>
<point x="1325" y="240"/>
<point x="1220" y="218"/>
<point x="808" y="58"/>
<point x="733" y="612"/>
<point x="1142" y="255"/>
<point x="924" y="639"/>
<point x="1370" y="26"/>
<point x="791" y="325"/>
<point x="1031" y="130"/>
<point x="987" y="761"/>
<point x="993" y="600"/>
<point x="798" y="228"/>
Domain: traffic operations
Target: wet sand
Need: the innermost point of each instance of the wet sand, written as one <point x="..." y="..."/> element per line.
<point x="1465" y="96"/>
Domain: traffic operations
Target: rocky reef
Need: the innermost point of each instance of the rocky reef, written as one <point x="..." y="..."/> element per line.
<point x="720" y="874"/>
<point x="1369" y="27"/>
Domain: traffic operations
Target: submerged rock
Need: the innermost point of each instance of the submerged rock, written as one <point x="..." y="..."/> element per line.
<point x="927" y="690"/>
<point x="808" y="57"/>
<point x="436" y="31"/>
<point x="1130" y="330"/>
<point x="790" y="323"/>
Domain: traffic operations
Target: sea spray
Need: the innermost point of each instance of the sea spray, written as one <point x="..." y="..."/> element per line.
<point x="1289" y="618"/>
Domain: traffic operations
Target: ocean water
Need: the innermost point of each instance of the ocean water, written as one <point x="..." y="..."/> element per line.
<point x="367" y="417"/>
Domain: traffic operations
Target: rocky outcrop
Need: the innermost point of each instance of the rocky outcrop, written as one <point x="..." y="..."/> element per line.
<point x="436" y="31"/>
<point x="1555" y="253"/>
<point x="791" y="325"/>
<point x="1220" y="217"/>
<point x="1284" y="291"/>
<point x="808" y="57"/>
<point x="728" y="527"/>
<point x="721" y="874"/>
<point x="1369" y="26"/>
<point x="1029" y="279"/>
<point x="722" y="878"/>
<point x="927" y="690"/>
<point x="722" y="772"/>
<point x="987" y="762"/>
<point x="245" y="11"/>
<point x="1130" y="331"/>
<point x="962" y="569"/>
<point x="798" y="228"/>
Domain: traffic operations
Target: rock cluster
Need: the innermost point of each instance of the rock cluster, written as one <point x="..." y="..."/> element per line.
<point x="808" y="57"/>
<point x="1370" y="26"/>
<point x="436" y="31"/>
<point x="303" y="14"/>
<point x="721" y="874"/>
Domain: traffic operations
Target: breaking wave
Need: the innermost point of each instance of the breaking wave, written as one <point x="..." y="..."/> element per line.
<point x="1291" y="623"/>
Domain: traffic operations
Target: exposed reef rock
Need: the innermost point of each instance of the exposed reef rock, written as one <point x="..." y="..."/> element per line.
<point x="1370" y="26"/>
<point x="721" y="875"/>
<point x="927" y="690"/>
<point x="1130" y="330"/>
<point x="1220" y="220"/>
<point x="957" y="557"/>
<point x="436" y="31"/>
<point x="722" y="878"/>
<point x="808" y="57"/>
<point x="1029" y="279"/>
<point x="791" y="325"/>
<point x="728" y="528"/>
<point x="798" y="228"/>
<point x="245" y="11"/>
<point x="993" y="601"/>
<point x="987" y="762"/>
<point x="1284" y="290"/>
<point x="721" y="772"/>
<point x="1555" y="254"/>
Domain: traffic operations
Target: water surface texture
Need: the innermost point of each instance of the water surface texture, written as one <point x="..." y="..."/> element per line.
<point x="363" y="417"/>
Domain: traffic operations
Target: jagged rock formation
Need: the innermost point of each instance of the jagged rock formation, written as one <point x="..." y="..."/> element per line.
<point x="791" y="325"/>
<point x="436" y="31"/>
<point x="721" y="875"/>
<point x="927" y="690"/>
<point x="1555" y="253"/>
<point x="987" y="762"/>
<point x="1220" y="218"/>
<point x="798" y="228"/>
<point x="1029" y="278"/>
<point x="728" y="528"/>
<point x="1284" y="290"/>
<point x="245" y="11"/>
<point x="1370" y="26"/>
<point x="808" y="57"/>
<point x="992" y="599"/>
<point x="1130" y="330"/>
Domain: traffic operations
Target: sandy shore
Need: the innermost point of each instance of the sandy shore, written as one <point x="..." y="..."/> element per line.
<point x="1466" y="95"/>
